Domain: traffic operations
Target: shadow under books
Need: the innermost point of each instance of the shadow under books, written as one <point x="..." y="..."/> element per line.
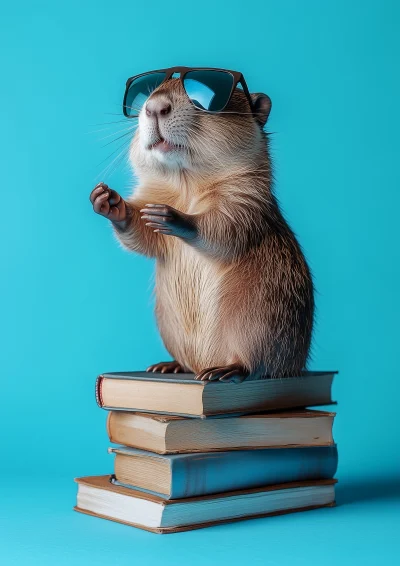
<point x="374" y="488"/>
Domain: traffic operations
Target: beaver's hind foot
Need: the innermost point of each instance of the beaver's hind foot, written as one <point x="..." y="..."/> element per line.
<point x="232" y="373"/>
<point x="166" y="367"/>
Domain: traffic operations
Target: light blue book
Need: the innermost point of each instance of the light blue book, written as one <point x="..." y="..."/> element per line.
<point x="176" y="476"/>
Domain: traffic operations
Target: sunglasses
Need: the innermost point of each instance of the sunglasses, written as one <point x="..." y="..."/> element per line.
<point x="209" y="90"/>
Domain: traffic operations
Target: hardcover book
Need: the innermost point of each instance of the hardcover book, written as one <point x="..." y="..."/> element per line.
<point x="98" y="497"/>
<point x="168" y="434"/>
<point x="181" y="394"/>
<point x="176" y="476"/>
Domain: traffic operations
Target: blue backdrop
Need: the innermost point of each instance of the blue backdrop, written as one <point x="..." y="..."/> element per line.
<point x="74" y="304"/>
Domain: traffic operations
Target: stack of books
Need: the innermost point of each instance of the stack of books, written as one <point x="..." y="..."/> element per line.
<point x="193" y="453"/>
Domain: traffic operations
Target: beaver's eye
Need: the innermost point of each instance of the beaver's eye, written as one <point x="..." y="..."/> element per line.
<point x="199" y="93"/>
<point x="209" y="90"/>
<point x="139" y="90"/>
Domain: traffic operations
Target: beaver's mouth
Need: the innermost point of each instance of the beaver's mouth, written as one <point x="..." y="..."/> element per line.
<point x="164" y="146"/>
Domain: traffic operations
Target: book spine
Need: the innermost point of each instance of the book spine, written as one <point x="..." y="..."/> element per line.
<point x="108" y="426"/>
<point x="97" y="390"/>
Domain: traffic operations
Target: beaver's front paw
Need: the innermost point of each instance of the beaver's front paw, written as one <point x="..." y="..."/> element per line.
<point x="108" y="203"/>
<point x="167" y="220"/>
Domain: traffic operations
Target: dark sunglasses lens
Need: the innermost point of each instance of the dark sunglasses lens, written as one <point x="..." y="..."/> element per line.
<point x="208" y="90"/>
<point x="139" y="91"/>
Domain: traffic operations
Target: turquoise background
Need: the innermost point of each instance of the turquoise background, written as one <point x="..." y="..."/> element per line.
<point x="74" y="304"/>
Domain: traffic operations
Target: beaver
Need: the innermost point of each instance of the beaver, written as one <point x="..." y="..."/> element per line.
<point x="234" y="293"/>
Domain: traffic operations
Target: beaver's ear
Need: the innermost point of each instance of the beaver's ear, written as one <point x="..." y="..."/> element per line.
<point x="262" y="107"/>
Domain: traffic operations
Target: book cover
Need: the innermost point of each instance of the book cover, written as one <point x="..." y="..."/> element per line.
<point x="181" y="394"/>
<point x="215" y="472"/>
<point x="166" y="434"/>
<point x="128" y="506"/>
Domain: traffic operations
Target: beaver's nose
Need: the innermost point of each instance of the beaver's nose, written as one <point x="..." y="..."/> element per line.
<point x="158" y="107"/>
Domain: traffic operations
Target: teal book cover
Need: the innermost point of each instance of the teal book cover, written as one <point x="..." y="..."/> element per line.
<point x="215" y="472"/>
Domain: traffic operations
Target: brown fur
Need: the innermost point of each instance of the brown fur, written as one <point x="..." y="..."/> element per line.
<point x="242" y="291"/>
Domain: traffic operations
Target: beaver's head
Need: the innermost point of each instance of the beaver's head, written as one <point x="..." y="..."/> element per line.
<point x="173" y="133"/>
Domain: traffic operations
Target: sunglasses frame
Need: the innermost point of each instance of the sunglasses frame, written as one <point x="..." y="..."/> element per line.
<point x="238" y="78"/>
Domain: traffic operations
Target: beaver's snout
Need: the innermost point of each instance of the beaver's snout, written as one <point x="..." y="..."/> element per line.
<point x="158" y="105"/>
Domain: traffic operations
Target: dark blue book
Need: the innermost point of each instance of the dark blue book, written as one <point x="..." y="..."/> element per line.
<point x="176" y="476"/>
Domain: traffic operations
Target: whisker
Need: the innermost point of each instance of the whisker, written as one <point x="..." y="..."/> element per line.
<point x="119" y="160"/>
<point x="133" y="108"/>
<point x="118" y="138"/>
<point x="112" y="153"/>
<point x="231" y="112"/>
<point x="126" y="106"/>
<point x="120" y="149"/>
<point x="103" y="130"/>
<point x="111" y="167"/>
<point x="107" y="123"/>
<point x="130" y="129"/>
